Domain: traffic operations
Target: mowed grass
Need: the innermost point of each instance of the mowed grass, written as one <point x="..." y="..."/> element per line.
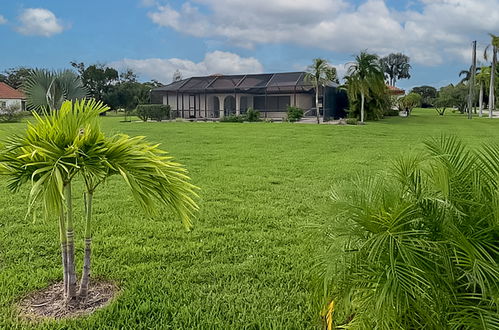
<point x="247" y="264"/>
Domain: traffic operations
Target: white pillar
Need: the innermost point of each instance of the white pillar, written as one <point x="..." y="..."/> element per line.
<point x="238" y="105"/>
<point x="221" y="106"/>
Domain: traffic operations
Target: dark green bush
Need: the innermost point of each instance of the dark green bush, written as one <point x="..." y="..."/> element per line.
<point x="156" y="112"/>
<point x="352" y="121"/>
<point x="232" y="119"/>
<point x="252" y="115"/>
<point x="294" y="114"/>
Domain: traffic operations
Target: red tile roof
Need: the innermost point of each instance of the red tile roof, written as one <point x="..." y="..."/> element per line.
<point x="395" y="90"/>
<point x="7" y="92"/>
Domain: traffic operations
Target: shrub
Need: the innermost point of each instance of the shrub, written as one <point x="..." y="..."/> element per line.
<point x="417" y="247"/>
<point x="11" y="114"/>
<point x="351" y="121"/>
<point x="294" y="114"/>
<point x="156" y="112"/>
<point x="232" y="119"/>
<point x="252" y="115"/>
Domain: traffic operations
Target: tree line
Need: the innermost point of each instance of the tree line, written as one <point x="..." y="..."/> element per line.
<point x="119" y="90"/>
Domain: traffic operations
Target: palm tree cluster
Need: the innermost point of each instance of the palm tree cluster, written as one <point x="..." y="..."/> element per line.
<point x="66" y="145"/>
<point x="420" y="245"/>
<point x="365" y="81"/>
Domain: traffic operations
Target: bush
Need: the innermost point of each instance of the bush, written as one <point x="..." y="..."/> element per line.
<point x="294" y="114"/>
<point x="351" y="121"/>
<point x="252" y="115"/>
<point x="232" y="119"/>
<point x="11" y="114"/>
<point x="156" y="112"/>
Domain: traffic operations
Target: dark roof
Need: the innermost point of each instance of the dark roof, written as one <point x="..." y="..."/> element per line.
<point x="285" y="82"/>
<point x="7" y="92"/>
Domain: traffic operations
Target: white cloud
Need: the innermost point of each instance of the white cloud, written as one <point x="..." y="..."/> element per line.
<point x="3" y="20"/>
<point x="39" y="22"/>
<point x="440" y="30"/>
<point x="214" y="62"/>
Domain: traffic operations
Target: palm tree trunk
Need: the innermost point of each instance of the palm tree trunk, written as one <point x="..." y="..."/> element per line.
<point x="71" y="288"/>
<point x="362" y="107"/>
<point x="64" y="250"/>
<point x="317" y="104"/>
<point x="85" y="278"/>
<point x="480" y="100"/>
<point x="492" y="81"/>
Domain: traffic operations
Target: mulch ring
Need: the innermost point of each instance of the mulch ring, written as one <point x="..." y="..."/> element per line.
<point x="49" y="303"/>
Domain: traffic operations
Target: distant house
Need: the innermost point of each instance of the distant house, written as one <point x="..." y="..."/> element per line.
<point x="395" y="91"/>
<point x="10" y="96"/>
<point x="217" y="96"/>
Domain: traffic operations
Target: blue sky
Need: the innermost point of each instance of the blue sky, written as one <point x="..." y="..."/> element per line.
<point x="198" y="37"/>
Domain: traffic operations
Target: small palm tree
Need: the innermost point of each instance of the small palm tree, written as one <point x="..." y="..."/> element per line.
<point x="494" y="44"/>
<point x="419" y="243"/>
<point x="65" y="145"/>
<point x="364" y="75"/>
<point x="46" y="90"/>
<point x="319" y="74"/>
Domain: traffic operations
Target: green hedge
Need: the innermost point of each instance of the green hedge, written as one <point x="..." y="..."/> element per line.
<point x="156" y="112"/>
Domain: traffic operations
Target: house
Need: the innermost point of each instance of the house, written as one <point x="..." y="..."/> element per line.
<point x="395" y="91"/>
<point x="10" y="96"/>
<point x="217" y="96"/>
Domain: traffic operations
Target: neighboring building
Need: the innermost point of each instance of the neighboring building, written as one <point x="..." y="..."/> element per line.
<point x="395" y="91"/>
<point x="10" y="96"/>
<point x="222" y="95"/>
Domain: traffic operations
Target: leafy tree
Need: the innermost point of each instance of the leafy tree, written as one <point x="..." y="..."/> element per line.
<point x="128" y="76"/>
<point x="15" y="77"/>
<point x="127" y="95"/>
<point x="409" y="102"/>
<point x="66" y="145"/>
<point x="365" y="78"/>
<point x="428" y="94"/>
<point x="419" y="245"/>
<point x="494" y="44"/>
<point x="319" y="74"/>
<point x="46" y="90"/>
<point x="396" y="66"/>
<point x="454" y="96"/>
<point x="97" y="78"/>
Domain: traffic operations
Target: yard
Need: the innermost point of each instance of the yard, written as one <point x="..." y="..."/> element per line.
<point x="248" y="262"/>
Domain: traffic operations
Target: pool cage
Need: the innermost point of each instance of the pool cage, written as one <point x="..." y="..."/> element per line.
<point x="222" y="95"/>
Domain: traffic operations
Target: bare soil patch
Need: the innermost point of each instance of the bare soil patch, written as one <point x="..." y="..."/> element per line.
<point x="49" y="303"/>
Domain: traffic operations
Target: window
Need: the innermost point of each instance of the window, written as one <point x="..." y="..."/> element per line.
<point x="274" y="103"/>
<point x="3" y="104"/>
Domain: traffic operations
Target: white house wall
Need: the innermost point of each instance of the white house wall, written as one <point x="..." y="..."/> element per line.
<point x="9" y="102"/>
<point x="303" y="101"/>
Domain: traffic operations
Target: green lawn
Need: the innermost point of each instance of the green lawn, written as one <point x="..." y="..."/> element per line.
<point x="247" y="263"/>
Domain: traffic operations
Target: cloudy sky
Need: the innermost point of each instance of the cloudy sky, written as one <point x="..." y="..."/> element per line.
<point x="201" y="37"/>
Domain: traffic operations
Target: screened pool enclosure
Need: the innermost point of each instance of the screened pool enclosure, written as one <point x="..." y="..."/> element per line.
<point x="222" y="95"/>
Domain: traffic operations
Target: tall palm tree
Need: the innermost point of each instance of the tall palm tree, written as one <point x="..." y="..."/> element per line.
<point x="46" y="90"/>
<point x="364" y="75"/>
<point x="65" y="145"/>
<point x="319" y="74"/>
<point x="494" y="44"/>
<point x="483" y="79"/>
